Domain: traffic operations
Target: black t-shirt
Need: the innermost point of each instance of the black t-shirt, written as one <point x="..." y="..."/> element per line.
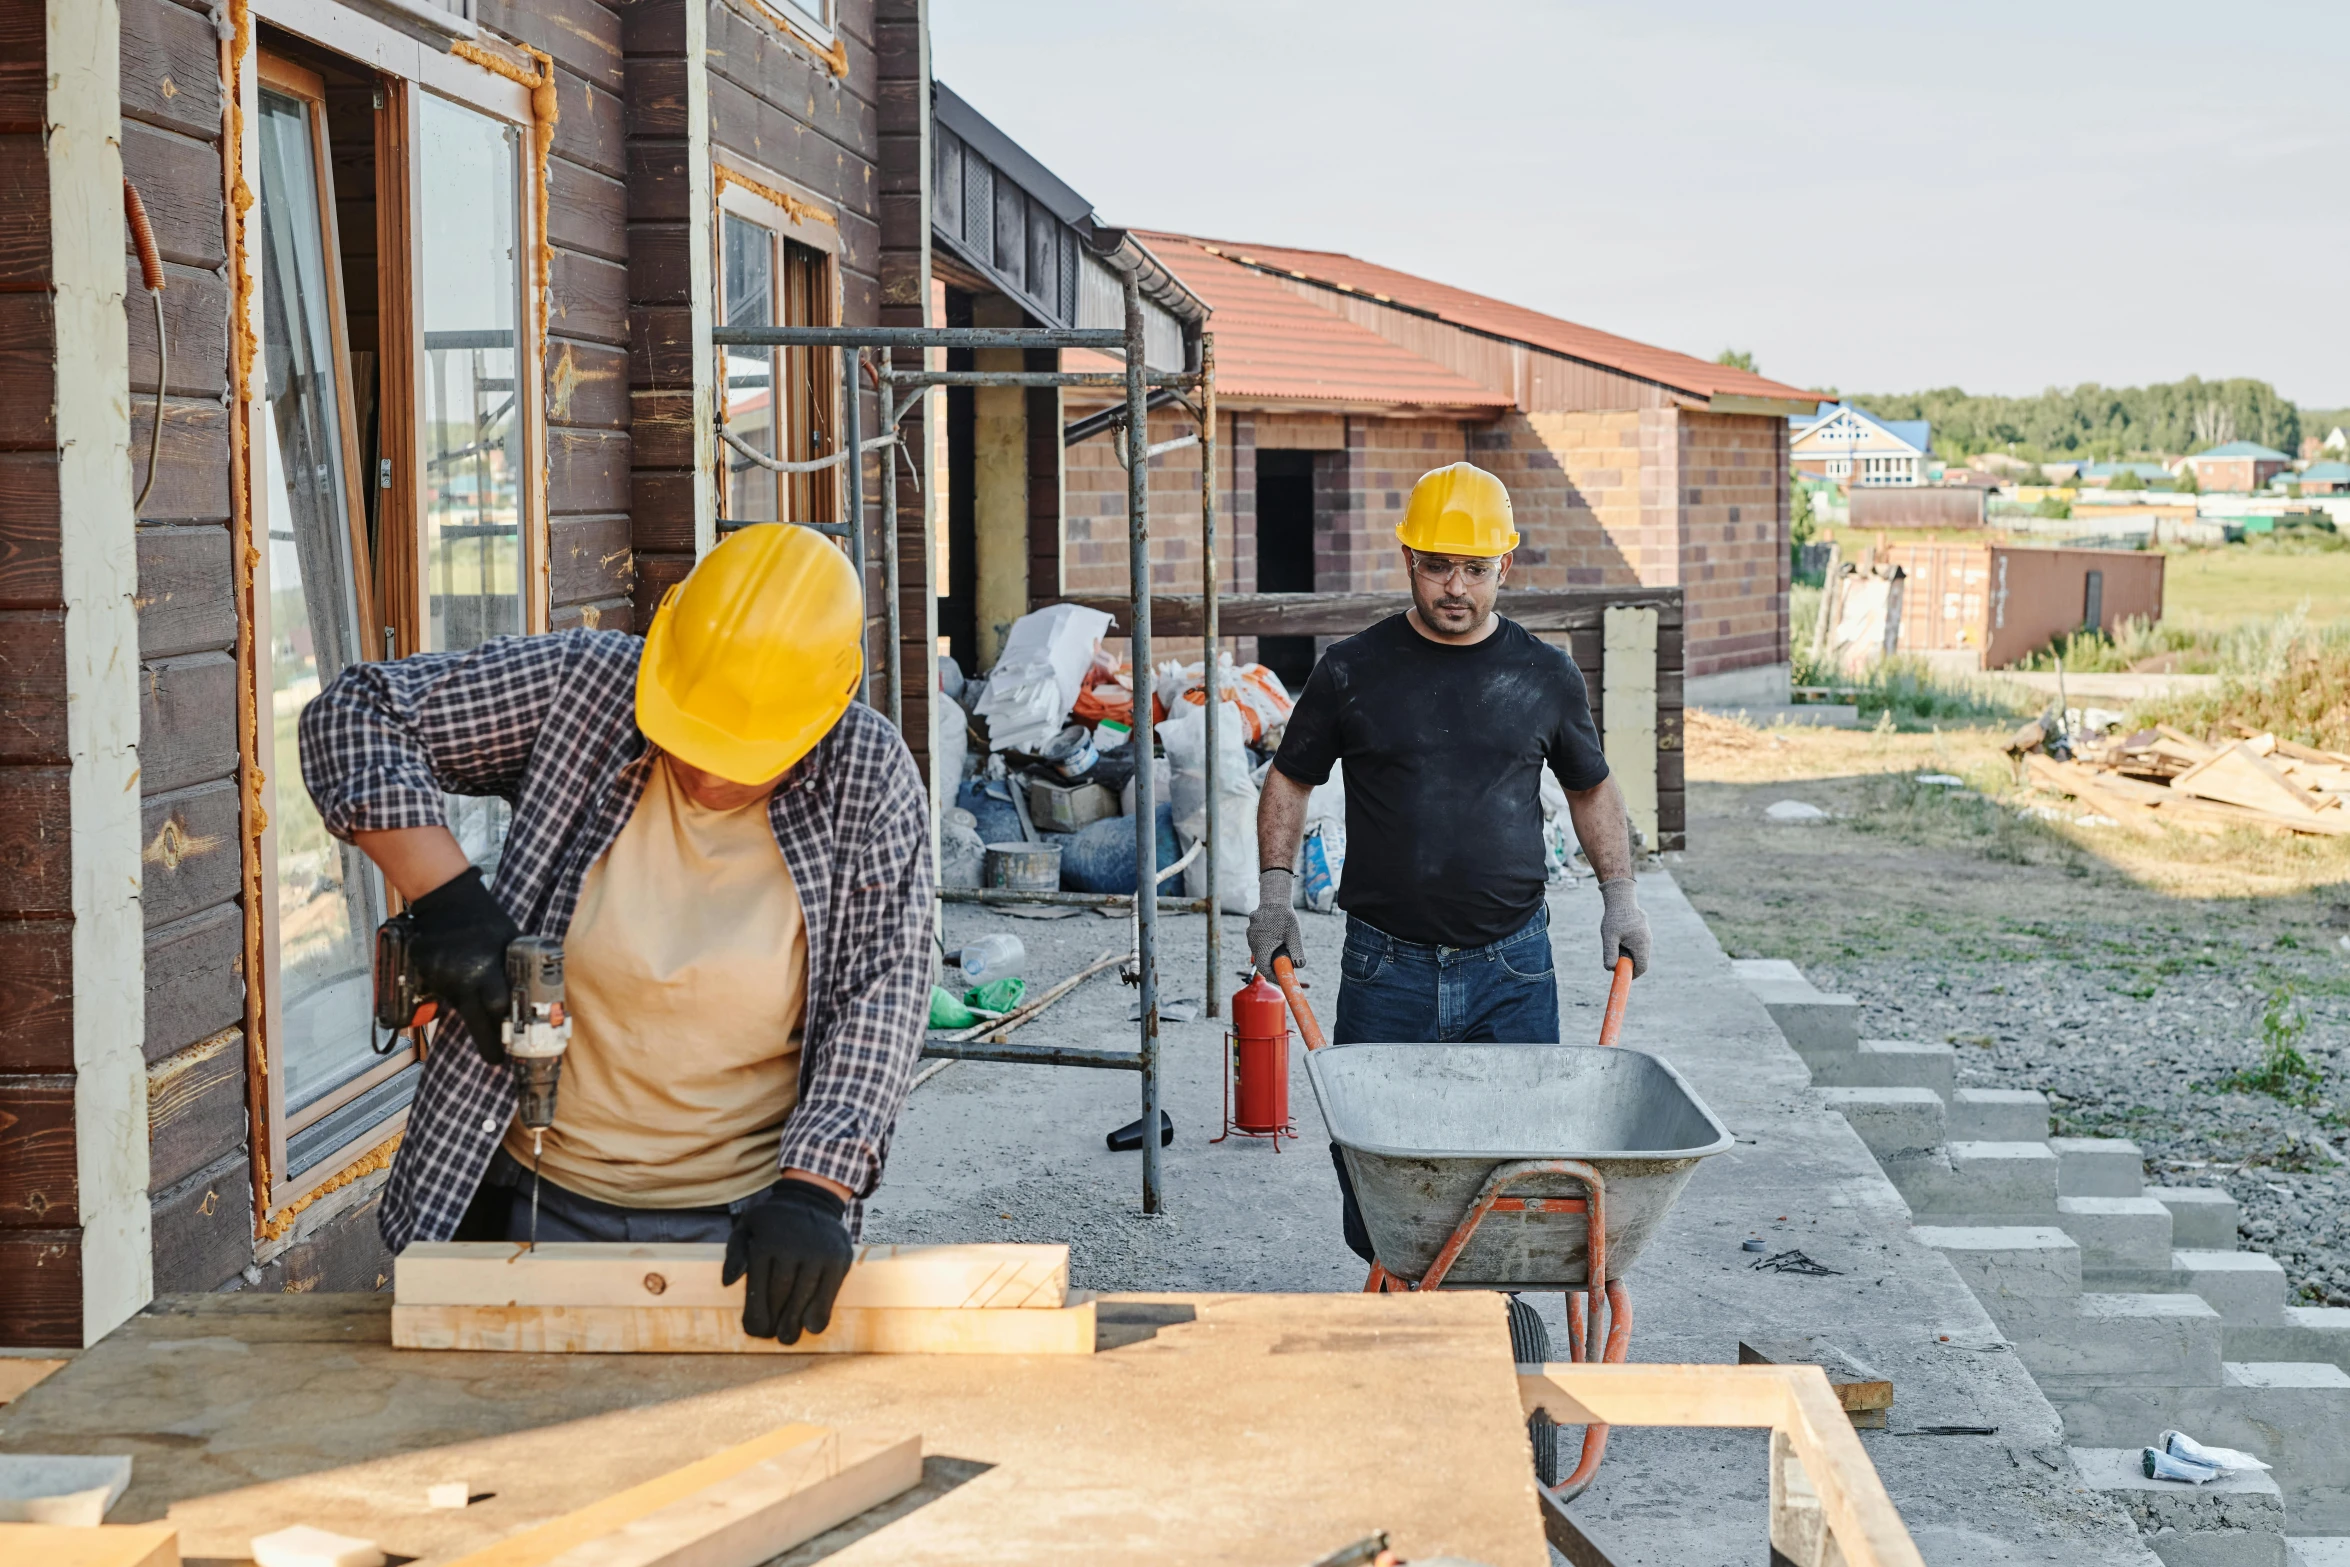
<point x="1442" y="746"/>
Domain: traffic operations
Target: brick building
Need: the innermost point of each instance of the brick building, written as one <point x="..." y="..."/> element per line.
<point x="1340" y="382"/>
<point x="2239" y="467"/>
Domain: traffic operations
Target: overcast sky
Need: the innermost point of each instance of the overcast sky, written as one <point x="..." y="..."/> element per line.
<point x="1996" y="195"/>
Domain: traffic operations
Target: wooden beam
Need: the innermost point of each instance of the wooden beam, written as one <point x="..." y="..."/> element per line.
<point x="1795" y="1401"/>
<point x="591" y="1273"/>
<point x="702" y="1330"/>
<point x="101" y="1545"/>
<point x="1344" y="614"/>
<point x="735" y="1508"/>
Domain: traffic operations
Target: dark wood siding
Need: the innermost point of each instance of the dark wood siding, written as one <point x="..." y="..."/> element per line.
<point x="659" y="319"/>
<point x="40" y="1248"/>
<point x="902" y="68"/>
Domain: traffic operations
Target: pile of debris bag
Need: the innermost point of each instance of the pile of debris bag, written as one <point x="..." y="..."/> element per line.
<point x="1042" y="751"/>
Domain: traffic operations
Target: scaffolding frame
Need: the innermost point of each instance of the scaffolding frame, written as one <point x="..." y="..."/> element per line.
<point x="1137" y="380"/>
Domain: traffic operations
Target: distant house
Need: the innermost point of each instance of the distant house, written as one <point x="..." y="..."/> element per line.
<point x="1853" y="445"/>
<point x="2123" y="475"/>
<point x="2239" y="466"/>
<point x="2325" y="478"/>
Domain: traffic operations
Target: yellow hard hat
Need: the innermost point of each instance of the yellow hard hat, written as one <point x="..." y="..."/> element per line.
<point x="1460" y="510"/>
<point x="753" y="657"/>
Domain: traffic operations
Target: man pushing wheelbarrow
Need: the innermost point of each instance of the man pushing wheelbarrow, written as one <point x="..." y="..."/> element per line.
<point x="1466" y="1159"/>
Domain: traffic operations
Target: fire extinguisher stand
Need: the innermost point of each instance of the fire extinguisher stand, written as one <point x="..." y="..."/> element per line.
<point x="1256" y="1065"/>
<point x="1601" y="1301"/>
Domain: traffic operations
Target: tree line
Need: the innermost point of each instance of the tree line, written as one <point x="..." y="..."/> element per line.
<point x="2093" y="423"/>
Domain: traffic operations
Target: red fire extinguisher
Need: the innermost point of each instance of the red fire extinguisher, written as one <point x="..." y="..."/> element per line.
<point x="1256" y="1084"/>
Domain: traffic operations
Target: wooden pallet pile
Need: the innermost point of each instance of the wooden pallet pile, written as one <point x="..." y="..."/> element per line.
<point x="2161" y="777"/>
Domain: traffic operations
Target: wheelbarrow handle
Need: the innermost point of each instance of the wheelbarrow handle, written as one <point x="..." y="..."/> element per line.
<point x="1619" y="995"/>
<point x="1285" y="975"/>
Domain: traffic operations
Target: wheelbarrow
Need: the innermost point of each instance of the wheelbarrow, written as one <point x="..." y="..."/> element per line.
<point x="1514" y="1167"/>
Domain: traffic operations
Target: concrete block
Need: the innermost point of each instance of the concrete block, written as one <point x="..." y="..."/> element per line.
<point x="2018" y="1268"/>
<point x="1893" y="1122"/>
<point x="1816" y="1024"/>
<point x="1887" y="1063"/>
<point x="2294" y="1417"/>
<point x="1999" y="1115"/>
<point x="2167" y="1341"/>
<point x="2117" y="1232"/>
<point x="2235" y="1521"/>
<point x="2316" y="1551"/>
<point x="1989" y="1183"/>
<point x="1774" y="971"/>
<point x="2201" y="1217"/>
<point x="2099" y="1167"/>
<point x="2246" y="1288"/>
<point x="2308" y="1334"/>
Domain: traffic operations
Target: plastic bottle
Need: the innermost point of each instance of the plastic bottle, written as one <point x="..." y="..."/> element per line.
<point x="993" y="957"/>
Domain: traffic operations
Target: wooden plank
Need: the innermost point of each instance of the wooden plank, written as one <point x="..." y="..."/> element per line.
<point x="195" y="319"/>
<point x="189" y="851"/>
<point x="36" y="995"/>
<point x="187" y="721"/>
<point x="656" y="99"/>
<point x="585" y="1273"/>
<point x="28" y="351"/>
<point x="1859" y="1388"/>
<point x="589" y="560"/>
<point x="735" y="1508"/>
<point x="39" y="1186"/>
<point x="203" y="1227"/>
<point x="36" y="873"/>
<point x="187" y="593"/>
<point x="2241" y="776"/>
<point x="587" y="211"/>
<point x="32" y="685"/>
<point x="590" y="127"/>
<point x="600" y="615"/>
<point x="1344" y="614"/>
<point x="660" y="349"/>
<point x="195" y="1107"/>
<point x="30" y="574"/>
<point x="18" y="1373"/>
<point x="587" y="384"/>
<point x="170" y="67"/>
<point x="191" y="473"/>
<point x="701" y="1330"/>
<point x="583" y="36"/>
<point x="194" y="989"/>
<point x="23" y="47"/>
<point x="101" y="1545"/>
<point x="588" y="297"/>
<point x="24" y="181"/>
<point x="661" y="518"/>
<point x="179" y="181"/>
<point x="587" y="470"/>
<point x="41" y="1288"/>
<point x="661" y="425"/>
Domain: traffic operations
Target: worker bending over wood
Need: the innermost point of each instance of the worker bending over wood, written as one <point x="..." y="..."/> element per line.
<point x="735" y="854"/>
<point x="1445" y="716"/>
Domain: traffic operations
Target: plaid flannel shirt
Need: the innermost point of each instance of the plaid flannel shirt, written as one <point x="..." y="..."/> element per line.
<point x="548" y="723"/>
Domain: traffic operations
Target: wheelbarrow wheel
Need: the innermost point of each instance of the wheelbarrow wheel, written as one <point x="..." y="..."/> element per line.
<point x="1530" y="1346"/>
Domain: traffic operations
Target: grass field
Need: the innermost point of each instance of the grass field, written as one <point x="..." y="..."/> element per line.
<point x="2210" y="589"/>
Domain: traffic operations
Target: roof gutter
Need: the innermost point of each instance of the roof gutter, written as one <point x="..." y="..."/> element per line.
<point x="1125" y="255"/>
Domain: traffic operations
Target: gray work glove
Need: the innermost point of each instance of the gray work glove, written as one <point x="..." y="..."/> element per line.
<point x="1274" y="925"/>
<point x="1623" y="929"/>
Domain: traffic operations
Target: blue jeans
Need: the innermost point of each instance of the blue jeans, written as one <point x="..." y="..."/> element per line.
<point x="1406" y="992"/>
<point x="566" y="1215"/>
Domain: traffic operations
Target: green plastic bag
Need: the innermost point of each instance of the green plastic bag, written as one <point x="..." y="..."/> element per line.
<point x="997" y="995"/>
<point x="946" y="1011"/>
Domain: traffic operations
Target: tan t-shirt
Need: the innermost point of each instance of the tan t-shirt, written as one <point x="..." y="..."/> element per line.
<point x="686" y="971"/>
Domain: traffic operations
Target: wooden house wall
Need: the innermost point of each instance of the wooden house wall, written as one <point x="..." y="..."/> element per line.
<point x="40" y="1238"/>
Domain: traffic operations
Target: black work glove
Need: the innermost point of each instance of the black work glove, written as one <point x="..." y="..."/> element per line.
<point x="794" y="1245"/>
<point x="460" y="954"/>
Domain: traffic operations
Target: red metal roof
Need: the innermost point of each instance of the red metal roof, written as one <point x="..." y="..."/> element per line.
<point x="1272" y="345"/>
<point x="1682" y="372"/>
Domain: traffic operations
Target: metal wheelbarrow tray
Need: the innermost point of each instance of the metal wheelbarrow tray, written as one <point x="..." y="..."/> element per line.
<point x="1429" y="1132"/>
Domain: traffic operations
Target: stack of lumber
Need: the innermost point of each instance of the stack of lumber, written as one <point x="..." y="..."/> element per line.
<point x="621" y="1298"/>
<point x="2162" y="777"/>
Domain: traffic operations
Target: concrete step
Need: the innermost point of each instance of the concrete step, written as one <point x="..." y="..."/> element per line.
<point x="2011" y="1269"/>
<point x="2308" y="1333"/>
<point x="1999" y="1115"/>
<point x="1813" y="1021"/>
<point x="2246" y="1288"/>
<point x="1893" y="1122"/>
<point x="2235" y="1521"/>
<point x="2296" y="1417"/>
<point x="2203" y="1217"/>
<point x="1887" y="1063"/>
<point x="2099" y="1167"/>
<point x="2165" y="1341"/>
<point x="2117" y="1232"/>
<point x="1982" y="1181"/>
<point x="2318" y="1551"/>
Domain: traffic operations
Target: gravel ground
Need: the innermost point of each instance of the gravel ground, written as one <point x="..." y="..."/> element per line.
<point x="2059" y="960"/>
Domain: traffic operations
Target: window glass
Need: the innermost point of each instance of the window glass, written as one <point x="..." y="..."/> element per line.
<point x="328" y="899"/>
<point x="469" y="297"/>
<point x="751" y="490"/>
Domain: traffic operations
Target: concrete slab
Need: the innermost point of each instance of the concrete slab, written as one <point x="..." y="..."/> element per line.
<point x="2308" y="1333"/>
<point x="2294" y="1417"/>
<point x="2203" y="1217"/>
<point x="1815" y="1023"/>
<point x="2117" y="1232"/>
<point x="1982" y="1181"/>
<point x="1887" y="1063"/>
<point x="1776" y="971"/>
<point x="2235" y="1521"/>
<point x="981" y="1141"/>
<point x="2166" y="1341"/>
<point x="1892" y="1122"/>
<point x="1999" y="1115"/>
<point x="2318" y="1551"/>
<point x="2022" y="1268"/>
<point x="2246" y="1288"/>
<point x="2099" y="1167"/>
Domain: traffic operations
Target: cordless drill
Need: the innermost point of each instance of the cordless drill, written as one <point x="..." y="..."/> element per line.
<point x="535" y="1031"/>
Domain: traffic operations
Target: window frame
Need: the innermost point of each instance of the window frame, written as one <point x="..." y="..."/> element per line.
<point x="389" y="582"/>
<point x="743" y="200"/>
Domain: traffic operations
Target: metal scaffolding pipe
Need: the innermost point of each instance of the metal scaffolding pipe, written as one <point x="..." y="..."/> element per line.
<point x="853" y="476"/>
<point x="1095" y="378"/>
<point x="1146" y="810"/>
<point x="1038" y="1055"/>
<point x="1111" y="339"/>
<point x="894" y="661"/>
<point x="1212" y="1000"/>
<point x="1067" y="900"/>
